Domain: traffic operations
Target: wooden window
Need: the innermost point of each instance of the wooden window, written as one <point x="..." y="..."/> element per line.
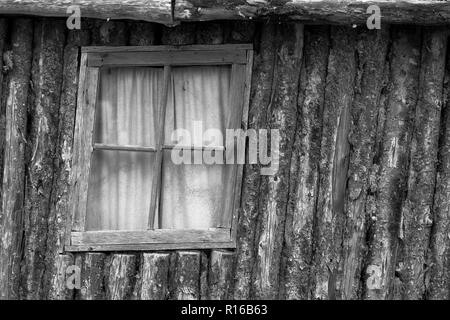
<point x="127" y="192"/>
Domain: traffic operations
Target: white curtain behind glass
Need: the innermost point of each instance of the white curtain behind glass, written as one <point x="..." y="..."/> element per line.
<point x="120" y="181"/>
<point x="192" y="196"/>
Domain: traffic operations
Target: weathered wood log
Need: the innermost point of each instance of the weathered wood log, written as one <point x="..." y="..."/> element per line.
<point x="259" y="102"/>
<point x="404" y="74"/>
<point x="288" y="47"/>
<point x="184" y="33"/>
<point x="108" y="33"/>
<point x="322" y="11"/>
<point x="142" y="34"/>
<point x="120" y="278"/>
<point x="58" y="283"/>
<point x="328" y="229"/>
<point x="153" y="279"/>
<point x="210" y="33"/>
<point x="146" y="10"/>
<point x="304" y="176"/>
<point x="59" y="216"/>
<point x="49" y="39"/>
<point x="92" y="267"/>
<point x="14" y="157"/>
<point x="204" y="269"/>
<point x="185" y="277"/>
<point x="363" y="138"/>
<point x="417" y="209"/>
<point x="3" y="39"/>
<point x="220" y="276"/>
<point x="439" y="275"/>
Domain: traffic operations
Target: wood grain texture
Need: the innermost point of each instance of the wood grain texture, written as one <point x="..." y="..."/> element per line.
<point x="185" y="276"/>
<point x="304" y="170"/>
<point x="328" y="228"/>
<point x="220" y="274"/>
<point x="120" y="279"/>
<point x="13" y="219"/>
<point x="392" y="175"/>
<point x="439" y="255"/>
<point x="365" y="111"/>
<point x="417" y="209"/>
<point x="58" y="283"/>
<point x="41" y="153"/>
<point x="153" y="277"/>
<point x="321" y="11"/>
<point x="92" y="266"/>
<point x="282" y="116"/>
<point x="146" y="10"/>
<point x="260" y="96"/>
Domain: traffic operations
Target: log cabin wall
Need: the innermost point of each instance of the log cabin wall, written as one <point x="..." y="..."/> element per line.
<point x="358" y="209"/>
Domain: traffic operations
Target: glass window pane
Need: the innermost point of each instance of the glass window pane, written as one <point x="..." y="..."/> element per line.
<point x="198" y="101"/>
<point x="195" y="196"/>
<point x="127" y="105"/>
<point x="119" y="191"/>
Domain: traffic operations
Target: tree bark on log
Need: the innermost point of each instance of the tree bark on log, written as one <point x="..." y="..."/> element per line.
<point x="417" y="209"/>
<point x="185" y="282"/>
<point x="365" y="111"/>
<point x="153" y="282"/>
<point x="3" y="39"/>
<point x="58" y="289"/>
<point x="324" y="11"/>
<point x="329" y="223"/>
<point x="49" y="39"/>
<point x="60" y="196"/>
<point x="392" y="176"/>
<point x="92" y="276"/>
<point x="146" y="10"/>
<point x="262" y="78"/>
<point x="440" y="242"/>
<point x="120" y="276"/>
<point x="304" y="176"/>
<point x="283" y="116"/>
<point x="219" y="274"/>
<point x="14" y="158"/>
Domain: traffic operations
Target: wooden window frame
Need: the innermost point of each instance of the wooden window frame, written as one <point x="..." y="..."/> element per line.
<point x="240" y="57"/>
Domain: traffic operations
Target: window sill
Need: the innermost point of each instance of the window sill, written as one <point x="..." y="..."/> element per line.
<point x="161" y="239"/>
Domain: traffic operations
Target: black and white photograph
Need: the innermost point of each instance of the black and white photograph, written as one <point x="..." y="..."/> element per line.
<point x="239" y="150"/>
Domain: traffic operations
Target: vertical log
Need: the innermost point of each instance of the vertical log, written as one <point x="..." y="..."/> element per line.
<point x="49" y="39"/>
<point x="220" y="274"/>
<point x="121" y="274"/>
<point x="3" y="39"/>
<point x="58" y="282"/>
<point x="333" y="166"/>
<point x="304" y="176"/>
<point x="185" y="276"/>
<point x="404" y="74"/>
<point x="185" y="33"/>
<point x="153" y="283"/>
<point x="60" y="196"/>
<point x="14" y="168"/>
<point x="209" y="33"/>
<point x="440" y="240"/>
<point x="108" y="33"/>
<point x="92" y="276"/>
<point x="283" y="113"/>
<point x="417" y="209"/>
<point x="142" y="34"/>
<point x="204" y="268"/>
<point x="260" y="97"/>
<point x="241" y="32"/>
<point x="365" y="112"/>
